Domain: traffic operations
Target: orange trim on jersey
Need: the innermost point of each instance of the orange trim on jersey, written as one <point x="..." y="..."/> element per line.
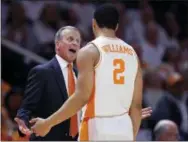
<point x="89" y="113"/>
<point x="100" y="56"/>
<point x="99" y="62"/>
<point x="90" y="108"/>
<point x="84" y="132"/>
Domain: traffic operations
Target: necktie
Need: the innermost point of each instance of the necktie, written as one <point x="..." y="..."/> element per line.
<point x="71" y="90"/>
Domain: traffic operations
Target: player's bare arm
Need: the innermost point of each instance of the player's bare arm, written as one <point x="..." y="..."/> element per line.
<point x="85" y="62"/>
<point x="136" y="106"/>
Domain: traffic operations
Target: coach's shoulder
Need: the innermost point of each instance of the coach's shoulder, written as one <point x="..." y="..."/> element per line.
<point x="39" y="70"/>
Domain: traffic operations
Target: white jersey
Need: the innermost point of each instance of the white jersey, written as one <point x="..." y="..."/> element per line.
<point x="115" y="75"/>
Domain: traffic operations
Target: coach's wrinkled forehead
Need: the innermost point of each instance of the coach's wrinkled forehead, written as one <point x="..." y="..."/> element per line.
<point x="69" y="33"/>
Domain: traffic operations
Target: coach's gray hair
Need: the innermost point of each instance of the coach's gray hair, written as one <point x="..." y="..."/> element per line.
<point x="58" y="35"/>
<point x="161" y="127"/>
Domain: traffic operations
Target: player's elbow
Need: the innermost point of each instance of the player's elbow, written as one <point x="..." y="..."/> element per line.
<point x="84" y="98"/>
<point x="135" y="110"/>
<point x="136" y="107"/>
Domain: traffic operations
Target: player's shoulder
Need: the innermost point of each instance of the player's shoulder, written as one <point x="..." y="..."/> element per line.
<point x="130" y="47"/>
<point x="126" y="44"/>
<point x="89" y="49"/>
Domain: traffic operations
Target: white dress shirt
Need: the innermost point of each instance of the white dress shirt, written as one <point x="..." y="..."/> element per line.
<point x="63" y="65"/>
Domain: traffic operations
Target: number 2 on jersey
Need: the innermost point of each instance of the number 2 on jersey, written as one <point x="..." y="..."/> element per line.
<point x="118" y="77"/>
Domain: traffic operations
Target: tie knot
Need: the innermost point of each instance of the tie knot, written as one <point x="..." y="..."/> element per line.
<point x="69" y="66"/>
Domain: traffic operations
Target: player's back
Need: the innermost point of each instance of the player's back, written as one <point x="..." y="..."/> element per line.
<point x="105" y="117"/>
<point x="115" y="74"/>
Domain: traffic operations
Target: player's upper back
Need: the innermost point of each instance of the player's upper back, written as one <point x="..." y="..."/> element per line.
<point x="115" y="74"/>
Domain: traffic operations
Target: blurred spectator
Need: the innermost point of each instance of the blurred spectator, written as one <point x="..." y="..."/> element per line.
<point x="138" y="27"/>
<point x="185" y="76"/>
<point x="84" y="11"/>
<point x="4" y="10"/>
<point x="166" y="130"/>
<point x="68" y="16"/>
<point x="33" y="8"/>
<point x="47" y="50"/>
<point x="9" y="133"/>
<point x="174" y="104"/>
<point x="45" y="29"/>
<point x="146" y="16"/>
<point x="4" y="129"/>
<point x="164" y="71"/>
<point x="18" y="27"/>
<point x="65" y="4"/>
<point x="152" y="50"/>
<point x="12" y="101"/>
<point x="172" y="58"/>
<point x="122" y="19"/>
<point x="152" y="88"/>
<point x="183" y="40"/>
<point x="139" y="52"/>
<point x="172" y="30"/>
<point x="48" y="23"/>
<point x="5" y="87"/>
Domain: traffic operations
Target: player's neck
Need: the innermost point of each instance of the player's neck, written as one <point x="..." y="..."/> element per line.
<point x="107" y="33"/>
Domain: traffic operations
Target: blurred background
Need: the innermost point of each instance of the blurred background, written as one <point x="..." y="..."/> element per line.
<point x="158" y="31"/>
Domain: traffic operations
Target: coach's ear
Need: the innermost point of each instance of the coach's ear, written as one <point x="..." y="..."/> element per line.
<point x="57" y="45"/>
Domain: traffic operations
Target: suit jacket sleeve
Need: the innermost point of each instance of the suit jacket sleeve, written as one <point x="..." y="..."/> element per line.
<point x="32" y="95"/>
<point x="161" y="112"/>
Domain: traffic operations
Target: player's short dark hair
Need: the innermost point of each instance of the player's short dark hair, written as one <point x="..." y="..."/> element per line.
<point x="107" y="16"/>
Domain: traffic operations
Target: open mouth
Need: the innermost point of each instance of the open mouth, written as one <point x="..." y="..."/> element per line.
<point x="72" y="50"/>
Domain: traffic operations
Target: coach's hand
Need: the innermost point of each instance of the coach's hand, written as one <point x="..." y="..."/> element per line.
<point x="146" y="112"/>
<point x="22" y="127"/>
<point x="40" y="127"/>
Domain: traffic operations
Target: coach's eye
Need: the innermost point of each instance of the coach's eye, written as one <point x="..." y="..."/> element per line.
<point x="70" y="38"/>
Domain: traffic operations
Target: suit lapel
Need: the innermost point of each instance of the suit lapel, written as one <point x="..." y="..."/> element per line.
<point x="59" y="77"/>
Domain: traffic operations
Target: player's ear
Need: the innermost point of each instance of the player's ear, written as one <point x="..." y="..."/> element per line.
<point x="94" y="24"/>
<point x="117" y="27"/>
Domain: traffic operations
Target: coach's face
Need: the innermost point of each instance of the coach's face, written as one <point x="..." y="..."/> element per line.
<point x="69" y="44"/>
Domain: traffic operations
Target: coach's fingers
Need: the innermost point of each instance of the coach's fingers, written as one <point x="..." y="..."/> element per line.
<point x="19" y="122"/>
<point x="144" y="116"/>
<point x="146" y="109"/>
<point x="27" y="132"/>
<point x="147" y="112"/>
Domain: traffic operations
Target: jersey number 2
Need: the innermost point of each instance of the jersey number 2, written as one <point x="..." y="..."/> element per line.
<point x="118" y="77"/>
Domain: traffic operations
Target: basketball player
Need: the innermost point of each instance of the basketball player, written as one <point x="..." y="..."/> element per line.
<point x="109" y="86"/>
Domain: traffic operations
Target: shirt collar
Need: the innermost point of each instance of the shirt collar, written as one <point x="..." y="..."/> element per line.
<point x="62" y="62"/>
